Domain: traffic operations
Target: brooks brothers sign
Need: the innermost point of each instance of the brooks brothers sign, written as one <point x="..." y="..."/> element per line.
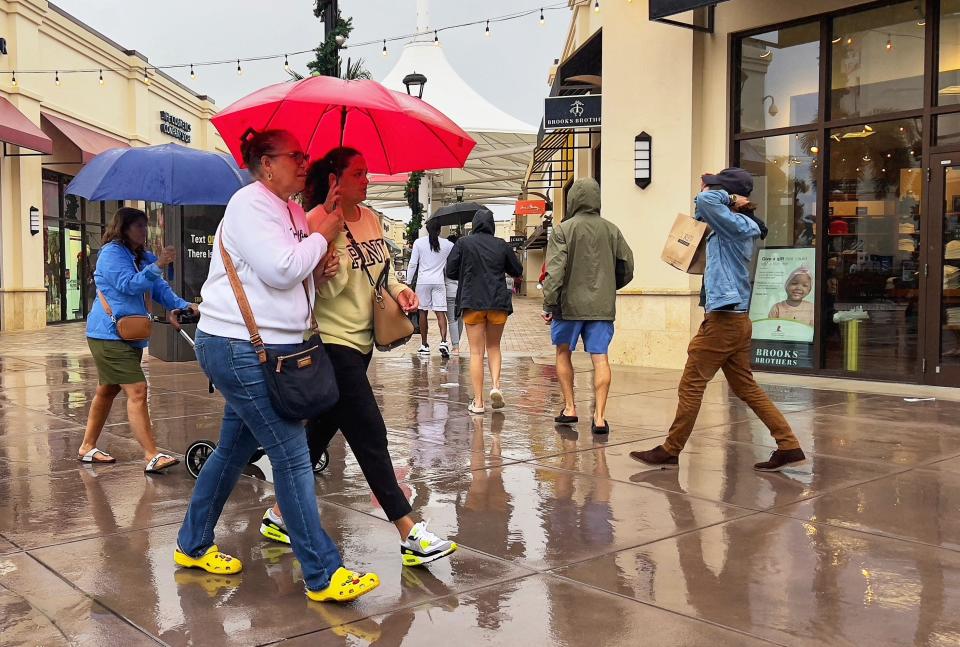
<point x="580" y="111"/>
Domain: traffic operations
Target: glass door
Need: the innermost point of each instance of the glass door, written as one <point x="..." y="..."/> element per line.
<point x="943" y="330"/>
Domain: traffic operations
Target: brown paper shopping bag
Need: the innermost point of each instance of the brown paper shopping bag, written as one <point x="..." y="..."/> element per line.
<point x="686" y="247"/>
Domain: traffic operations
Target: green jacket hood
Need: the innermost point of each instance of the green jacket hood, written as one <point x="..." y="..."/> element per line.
<point x="583" y="199"/>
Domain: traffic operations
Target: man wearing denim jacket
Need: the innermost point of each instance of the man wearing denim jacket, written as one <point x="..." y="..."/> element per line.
<point x="724" y="339"/>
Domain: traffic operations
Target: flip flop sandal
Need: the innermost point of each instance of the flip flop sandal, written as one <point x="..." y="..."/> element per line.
<point x="154" y="467"/>
<point x="212" y="561"/>
<point x="345" y="586"/>
<point x="91" y="457"/>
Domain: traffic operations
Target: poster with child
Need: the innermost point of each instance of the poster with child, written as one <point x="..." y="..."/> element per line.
<point x="782" y="307"/>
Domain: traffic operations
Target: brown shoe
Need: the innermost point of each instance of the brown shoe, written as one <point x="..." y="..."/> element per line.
<point x="782" y="458"/>
<point x="657" y="456"/>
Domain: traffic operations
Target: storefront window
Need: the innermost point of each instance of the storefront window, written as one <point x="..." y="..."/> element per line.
<point x="782" y="307"/>
<point x="779" y="77"/>
<point x="948" y="77"/>
<point x="871" y="295"/>
<point x="155" y="223"/>
<point x="878" y="58"/>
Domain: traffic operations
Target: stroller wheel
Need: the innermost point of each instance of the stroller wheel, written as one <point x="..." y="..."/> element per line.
<point x="322" y="462"/>
<point x="257" y="455"/>
<point x="197" y="454"/>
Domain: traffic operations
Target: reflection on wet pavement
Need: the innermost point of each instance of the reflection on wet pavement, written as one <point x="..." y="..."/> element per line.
<point x="565" y="539"/>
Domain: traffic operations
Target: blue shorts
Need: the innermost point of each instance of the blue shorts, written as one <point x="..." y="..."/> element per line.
<point x="596" y="335"/>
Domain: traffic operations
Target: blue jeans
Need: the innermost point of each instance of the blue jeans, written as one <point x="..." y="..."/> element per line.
<point x="249" y="421"/>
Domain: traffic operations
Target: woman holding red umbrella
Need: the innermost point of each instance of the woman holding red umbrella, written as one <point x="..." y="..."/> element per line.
<point x="273" y="255"/>
<point x="337" y="184"/>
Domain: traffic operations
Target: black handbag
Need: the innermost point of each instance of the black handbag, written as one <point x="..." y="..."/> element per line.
<point x="301" y="384"/>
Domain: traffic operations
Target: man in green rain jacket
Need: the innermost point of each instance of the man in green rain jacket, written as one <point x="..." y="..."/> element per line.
<point x="588" y="260"/>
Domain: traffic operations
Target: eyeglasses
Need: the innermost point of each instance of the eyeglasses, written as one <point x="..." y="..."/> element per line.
<point x="297" y="156"/>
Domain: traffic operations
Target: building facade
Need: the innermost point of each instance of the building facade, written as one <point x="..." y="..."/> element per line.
<point x="50" y="126"/>
<point x="848" y="117"/>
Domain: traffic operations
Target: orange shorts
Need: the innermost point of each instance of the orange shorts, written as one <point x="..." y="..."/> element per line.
<point x="493" y="317"/>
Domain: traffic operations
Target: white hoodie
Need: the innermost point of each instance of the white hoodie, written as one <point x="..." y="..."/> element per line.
<point x="273" y="257"/>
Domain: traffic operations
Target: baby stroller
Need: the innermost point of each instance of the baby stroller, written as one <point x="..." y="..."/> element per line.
<point x="199" y="451"/>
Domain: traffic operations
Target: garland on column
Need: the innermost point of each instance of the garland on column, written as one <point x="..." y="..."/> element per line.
<point x="412" y="191"/>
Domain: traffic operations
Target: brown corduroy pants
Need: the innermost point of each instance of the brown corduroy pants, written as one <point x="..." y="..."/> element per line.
<point x="723" y="343"/>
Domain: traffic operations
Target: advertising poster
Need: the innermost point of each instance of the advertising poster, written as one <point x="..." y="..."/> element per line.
<point x="782" y="307"/>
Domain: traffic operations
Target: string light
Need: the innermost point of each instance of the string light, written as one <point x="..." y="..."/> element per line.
<point x="286" y="63"/>
<point x="596" y="5"/>
<point x="146" y="77"/>
<point x="889" y="43"/>
<point x="56" y="77"/>
<point x="13" y="79"/>
<point x="517" y="15"/>
<point x="487" y="30"/>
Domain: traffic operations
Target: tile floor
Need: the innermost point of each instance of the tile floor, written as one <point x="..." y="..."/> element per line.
<point x="565" y="539"/>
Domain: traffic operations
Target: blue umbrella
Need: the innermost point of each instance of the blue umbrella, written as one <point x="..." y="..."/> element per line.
<point x="169" y="173"/>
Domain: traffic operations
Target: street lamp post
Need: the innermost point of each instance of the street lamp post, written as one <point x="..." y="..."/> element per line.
<point x="415" y="82"/>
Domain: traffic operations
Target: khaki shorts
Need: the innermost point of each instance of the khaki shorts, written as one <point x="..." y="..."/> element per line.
<point x="492" y="317"/>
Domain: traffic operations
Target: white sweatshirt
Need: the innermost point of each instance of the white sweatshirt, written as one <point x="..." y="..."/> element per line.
<point x="427" y="265"/>
<point x="272" y="257"/>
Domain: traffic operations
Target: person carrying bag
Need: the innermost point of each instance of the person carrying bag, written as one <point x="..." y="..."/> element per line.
<point x="301" y="383"/>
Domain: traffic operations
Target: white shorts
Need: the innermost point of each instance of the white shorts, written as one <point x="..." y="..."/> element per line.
<point x="432" y="297"/>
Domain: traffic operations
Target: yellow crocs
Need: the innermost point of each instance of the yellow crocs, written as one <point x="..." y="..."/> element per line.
<point x="212" y="561"/>
<point x="345" y="586"/>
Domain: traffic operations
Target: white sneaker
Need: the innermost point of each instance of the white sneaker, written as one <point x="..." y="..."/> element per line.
<point x="422" y="546"/>
<point x="473" y="408"/>
<point x="496" y="397"/>
<point x="424" y="350"/>
<point x="444" y="349"/>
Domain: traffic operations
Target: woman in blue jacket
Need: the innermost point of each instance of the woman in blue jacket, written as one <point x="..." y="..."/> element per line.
<point x="126" y="275"/>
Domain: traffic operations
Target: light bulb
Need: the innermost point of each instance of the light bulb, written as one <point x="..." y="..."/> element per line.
<point x="384" y="46"/>
<point x="56" y="78"/>
<point x="814" y="149"/>
<point x="146" y="77"/>
<point x="850" y="41"/>
<point x="486" y="32"/>
<point x="101" y="77"/>
<point x="239" y="69"/>
<point x="596" y="5"/>
<point x="436" y="39"/>
<point x="286" y="63"/>
<point x="193" y="75"/>
<point x="13" y="79"/>
<point x="542" y="19"/>
<point x="889" y="44"/>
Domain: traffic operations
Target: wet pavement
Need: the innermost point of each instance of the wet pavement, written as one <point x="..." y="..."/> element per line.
<point x="565" y="539"/>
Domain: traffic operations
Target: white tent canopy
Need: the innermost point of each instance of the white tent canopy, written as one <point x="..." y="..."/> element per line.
<point x="496" y="167"/>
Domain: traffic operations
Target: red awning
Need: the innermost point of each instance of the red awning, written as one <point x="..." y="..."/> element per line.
<point x="90" y="142"/>
<point x="16" y="128"/>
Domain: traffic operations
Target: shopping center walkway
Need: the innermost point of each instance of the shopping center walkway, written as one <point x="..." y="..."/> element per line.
<point x="565" y="539"/>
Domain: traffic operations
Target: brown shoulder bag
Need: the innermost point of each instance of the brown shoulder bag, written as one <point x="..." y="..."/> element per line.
<point x="391" y="325"/>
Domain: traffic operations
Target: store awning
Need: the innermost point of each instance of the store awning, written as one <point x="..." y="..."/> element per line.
<point x="701" y="13"/>
<point x="665" y="8"/>
<point x="586" y="61"/>
<point x="90" y="142"/>
<point x="16" y="128"/>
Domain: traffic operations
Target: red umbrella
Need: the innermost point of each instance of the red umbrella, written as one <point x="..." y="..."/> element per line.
<point x="394" y="131"/>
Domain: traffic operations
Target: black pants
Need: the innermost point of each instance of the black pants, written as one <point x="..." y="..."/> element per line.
<point x="358" y="417"/>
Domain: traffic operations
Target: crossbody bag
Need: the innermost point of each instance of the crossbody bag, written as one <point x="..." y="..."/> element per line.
<point x="131" y="327"/>
<point x="391" y="326"/>
<point x="301" y="383"/>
